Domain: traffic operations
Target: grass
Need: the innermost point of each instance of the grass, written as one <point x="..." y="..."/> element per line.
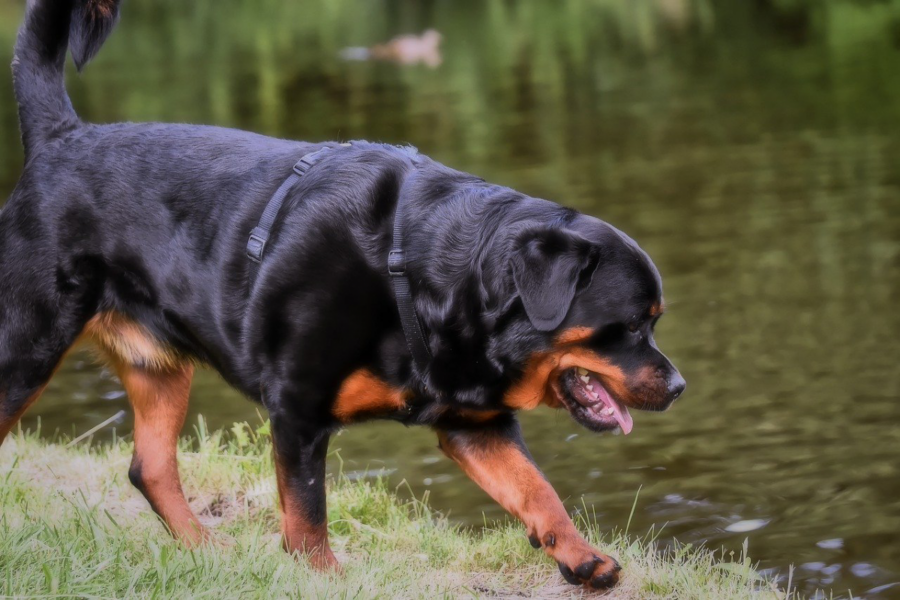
<point x="71" y="525"/>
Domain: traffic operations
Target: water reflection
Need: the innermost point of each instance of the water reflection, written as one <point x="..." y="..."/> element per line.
<point x="750" y="147"/>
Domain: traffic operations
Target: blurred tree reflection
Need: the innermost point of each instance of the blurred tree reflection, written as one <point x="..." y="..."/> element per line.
<point x="512" y="67"/>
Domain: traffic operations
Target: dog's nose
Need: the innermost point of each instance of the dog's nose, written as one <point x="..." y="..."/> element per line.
<point x="676" y="386"/>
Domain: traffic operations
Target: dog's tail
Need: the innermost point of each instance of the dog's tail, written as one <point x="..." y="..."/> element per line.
<point x="50" y="27"/>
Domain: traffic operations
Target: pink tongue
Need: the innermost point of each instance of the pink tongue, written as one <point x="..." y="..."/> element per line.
<point x="621" y="414"/>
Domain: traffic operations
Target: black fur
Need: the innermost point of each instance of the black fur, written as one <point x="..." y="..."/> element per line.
<point x="151" y="221"/>
<point x="92" y="22"/>
<point x="547" y="267"/>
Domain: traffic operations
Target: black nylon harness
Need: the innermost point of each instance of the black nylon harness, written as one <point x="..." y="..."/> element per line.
<point x="396" y="263"/>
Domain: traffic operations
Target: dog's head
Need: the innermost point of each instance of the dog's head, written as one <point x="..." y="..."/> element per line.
<point x="596" y="297"/>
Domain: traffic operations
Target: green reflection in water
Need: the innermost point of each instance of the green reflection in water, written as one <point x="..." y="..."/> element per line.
<point x="751" y="148"/>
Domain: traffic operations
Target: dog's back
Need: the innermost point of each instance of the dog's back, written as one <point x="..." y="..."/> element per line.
<point x="134" y="205"/>
<point x="95" y="188"/>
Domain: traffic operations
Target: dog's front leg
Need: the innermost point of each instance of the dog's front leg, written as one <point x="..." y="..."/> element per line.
<point x="300" y="451"/>
<point x="496" y="459"/>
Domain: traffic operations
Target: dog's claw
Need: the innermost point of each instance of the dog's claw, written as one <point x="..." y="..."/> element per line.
<point x="599" y="572"/>
<point x="603" y="582"/>
<point x="568" y="575"/>
<point x="584" y="570"/>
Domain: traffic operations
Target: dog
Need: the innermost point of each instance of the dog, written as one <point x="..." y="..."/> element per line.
<point x="135" y="237"/>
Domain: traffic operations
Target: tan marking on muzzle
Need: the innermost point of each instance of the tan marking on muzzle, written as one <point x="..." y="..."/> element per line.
<point x="537" y="384"/>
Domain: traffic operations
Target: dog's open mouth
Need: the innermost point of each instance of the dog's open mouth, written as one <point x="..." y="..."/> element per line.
<point x="591" y="404"/>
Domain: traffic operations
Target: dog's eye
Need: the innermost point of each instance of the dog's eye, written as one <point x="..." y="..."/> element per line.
<point x="633" y="327"/>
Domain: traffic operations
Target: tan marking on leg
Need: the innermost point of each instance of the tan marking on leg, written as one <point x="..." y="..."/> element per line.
<point x="364" y="393"/>
<point x="499" y="466"/>
<point x="124" y="340"/>
<point x="300" y="535"/>
<point x="502" y="470"/>
<point x="130" y="342"/>
<point x="160" y="402"/>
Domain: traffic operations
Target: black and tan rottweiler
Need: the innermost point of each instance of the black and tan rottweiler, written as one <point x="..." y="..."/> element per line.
<point x="135" y="236"/>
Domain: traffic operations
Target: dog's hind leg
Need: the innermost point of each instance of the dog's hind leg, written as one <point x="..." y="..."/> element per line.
<point x="13" y="404"/>
<point x="160" y="401"/>
<point x="33" y="342"/>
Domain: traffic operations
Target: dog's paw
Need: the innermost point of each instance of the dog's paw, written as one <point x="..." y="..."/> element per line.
<point x="591" y="569"/>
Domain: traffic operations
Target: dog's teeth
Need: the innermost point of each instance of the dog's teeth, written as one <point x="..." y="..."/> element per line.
<point x="610" y="411"/>
<point x="585" y="379"/>
<point x="582" y="371"/>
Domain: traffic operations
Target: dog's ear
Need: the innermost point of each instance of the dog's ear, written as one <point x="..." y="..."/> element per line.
<point x="547" y="266"/>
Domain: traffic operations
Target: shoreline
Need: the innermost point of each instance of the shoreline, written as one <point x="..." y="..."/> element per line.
<point x="71" y="524"/>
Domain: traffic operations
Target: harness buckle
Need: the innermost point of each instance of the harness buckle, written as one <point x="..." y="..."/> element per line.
<point x="397" y="263"/>
<point x="256" y="245"/>
<point x="302" y="166"/>
<point x="308" y="160"/>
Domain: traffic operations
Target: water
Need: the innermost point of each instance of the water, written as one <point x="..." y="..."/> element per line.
<point x="751" y="148"/>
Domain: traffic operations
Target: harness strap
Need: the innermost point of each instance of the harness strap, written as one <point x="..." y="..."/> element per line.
<point x="409" y="319"/>
<point x="259" y="235"/>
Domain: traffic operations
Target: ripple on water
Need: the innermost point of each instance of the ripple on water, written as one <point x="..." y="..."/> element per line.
<point x="747" y="525"/>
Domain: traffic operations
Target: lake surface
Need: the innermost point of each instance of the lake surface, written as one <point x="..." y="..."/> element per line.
<point x="751" y="148"/>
